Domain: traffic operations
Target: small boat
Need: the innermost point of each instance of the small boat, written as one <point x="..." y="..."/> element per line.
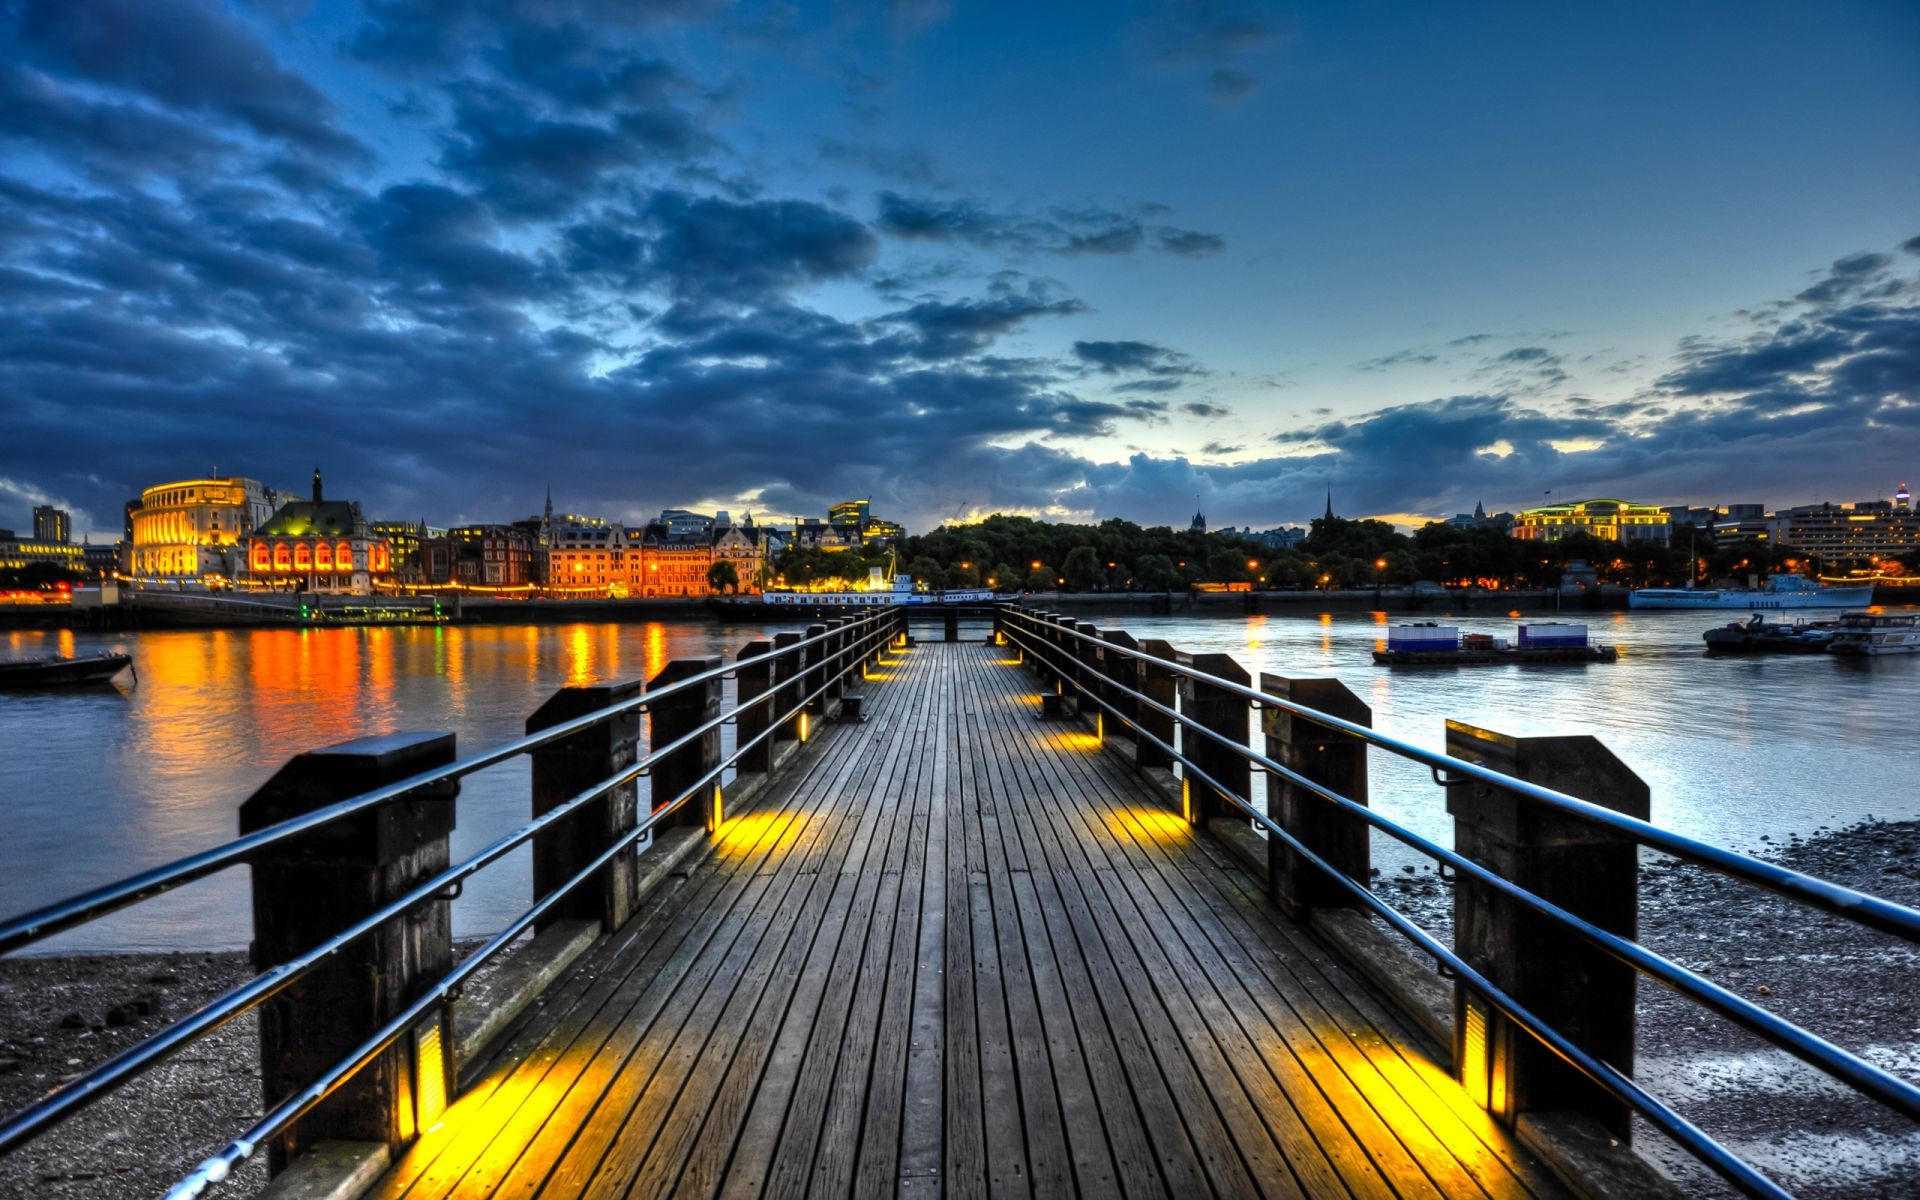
<point x="1876" y="633"/>
<point x="1757" y="635"/>
<point x="1431" y="644"/>
<point x="53" y="670"/>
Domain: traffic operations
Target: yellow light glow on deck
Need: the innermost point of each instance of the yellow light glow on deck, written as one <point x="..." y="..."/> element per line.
<point x="803" y="725"/>
<point x="1156" y="823"/>
<point x="717" y="811"/>
<point x="740" y="835"/>
<point x="1076" y="741"/>
<point x="882" y="676"/>
<point x="1186" y="800"/>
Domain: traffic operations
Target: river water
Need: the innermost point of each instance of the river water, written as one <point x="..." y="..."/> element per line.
<point x="99" y="783"/>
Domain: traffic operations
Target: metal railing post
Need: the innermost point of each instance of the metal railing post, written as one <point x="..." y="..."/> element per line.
<point x="306" y="890"/>
<point x="1338" y="762"/>
<point x="1163" y="687"/>
<point x="752" y="704"/>
<point x="1225" y="713"/>
<point x="564" y="769"/>
<point x="787" y="680"/>
<point x="1568" y="982"/>
<point x="675" y="717"/>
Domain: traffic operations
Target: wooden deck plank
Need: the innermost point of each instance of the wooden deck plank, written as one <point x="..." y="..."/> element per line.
<point x="958" y="951"/>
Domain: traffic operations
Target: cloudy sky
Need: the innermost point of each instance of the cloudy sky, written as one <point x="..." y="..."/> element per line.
<point x="1079" y="260"/>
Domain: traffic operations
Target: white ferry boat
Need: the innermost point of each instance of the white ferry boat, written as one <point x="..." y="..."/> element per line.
<point x="1876" y="633"/>
<point x="1781" y="591"/>
<point x="901" y="592"/>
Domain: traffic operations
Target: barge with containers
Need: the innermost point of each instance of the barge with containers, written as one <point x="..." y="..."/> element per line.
<point x="1431" y="644"/>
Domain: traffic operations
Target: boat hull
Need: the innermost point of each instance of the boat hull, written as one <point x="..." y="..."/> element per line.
<point x="1558" y="655"/>
<point x="62" y="672"/>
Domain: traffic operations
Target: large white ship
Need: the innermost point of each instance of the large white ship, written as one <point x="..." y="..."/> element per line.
<point x="1781" y="591"/>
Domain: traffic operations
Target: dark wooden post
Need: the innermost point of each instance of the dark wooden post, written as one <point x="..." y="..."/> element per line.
<point x="834" y="668"/>
<point x="1122" y="672"/>
<point x="1162" y="686"/>
<point x="952" y="616"/>
<point x="753" y="705"/>
<point x="787" y="679"/>
<point x="1569" y="983"/>
<point x="674" y="717"/>
<point x="1335" y="760"/>
<point x="564" y="769"/>
<point x="1090" y="668"/>
<point x="1224" y="713"/>
<point x="310" y="888"/>
<point x="814" y="669"/>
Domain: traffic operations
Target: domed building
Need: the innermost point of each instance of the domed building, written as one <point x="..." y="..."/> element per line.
<point x="317" y="545"/>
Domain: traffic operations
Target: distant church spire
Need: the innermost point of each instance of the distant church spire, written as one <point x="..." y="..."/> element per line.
<point x="1329" y="502"/>
<point x="317" y="493"/>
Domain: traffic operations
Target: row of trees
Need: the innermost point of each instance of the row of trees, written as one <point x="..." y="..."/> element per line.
<point x="1014" y="554"/>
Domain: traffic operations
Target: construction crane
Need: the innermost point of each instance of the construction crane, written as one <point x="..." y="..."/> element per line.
<point x="959" y="511"/>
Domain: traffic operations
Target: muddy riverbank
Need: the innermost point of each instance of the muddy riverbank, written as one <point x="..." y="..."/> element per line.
<point x="1857" y="988"/>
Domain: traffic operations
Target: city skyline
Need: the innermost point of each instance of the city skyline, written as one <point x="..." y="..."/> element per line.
<point x="764" y="257"/>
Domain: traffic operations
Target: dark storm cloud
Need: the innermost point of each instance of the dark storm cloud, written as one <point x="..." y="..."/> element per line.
<point x="187" y="55"/>
<point x="1079" y="230"/>
<point x="1169" y="368"/>
<point x="528" y="166"/>
<point x="1204" y="410"/>
<point x="711" y="249"/>
<point x="955" y="329"/>
<point x="109" y="141"/>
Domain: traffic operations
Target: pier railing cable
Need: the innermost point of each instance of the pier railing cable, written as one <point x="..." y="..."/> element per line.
<point x="869" y="633"/>
<point x="1037" y="638"/>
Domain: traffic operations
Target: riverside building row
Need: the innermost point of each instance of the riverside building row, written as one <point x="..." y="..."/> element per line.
<point x="236" y="532"/>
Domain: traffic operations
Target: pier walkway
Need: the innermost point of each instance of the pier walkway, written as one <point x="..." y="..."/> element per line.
<point x="957" y="950"/>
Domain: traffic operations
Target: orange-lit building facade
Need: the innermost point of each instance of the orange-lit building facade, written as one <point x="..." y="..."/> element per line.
<point x="589" y="556"/>
<point x="319" y="545"/>
<point x="192" y="529"/>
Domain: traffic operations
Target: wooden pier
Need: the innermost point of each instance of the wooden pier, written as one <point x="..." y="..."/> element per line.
<point x="957" y="950"/>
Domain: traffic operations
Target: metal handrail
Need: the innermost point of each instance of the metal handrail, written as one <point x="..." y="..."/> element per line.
<point x="291" y="1109"/>
<point x="75" y="1095"/>
<point x="1827" y="896"/>
<point x="83" y="907"/>
<point x="1803" y="1044"/>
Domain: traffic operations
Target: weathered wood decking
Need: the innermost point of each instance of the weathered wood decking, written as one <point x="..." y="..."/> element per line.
<point x="959" y="950"/>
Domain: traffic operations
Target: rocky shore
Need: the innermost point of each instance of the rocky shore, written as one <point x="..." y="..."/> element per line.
<point x="1857" y="988"/>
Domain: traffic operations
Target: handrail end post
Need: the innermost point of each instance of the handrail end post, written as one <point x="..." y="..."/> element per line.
<point x="306" y="889"/>
<point x="1586" y="869"/>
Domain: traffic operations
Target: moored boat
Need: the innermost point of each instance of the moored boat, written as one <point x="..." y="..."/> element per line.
<point x="1871" y="633"/>
<point x="1431" y="644"/>
<point x="1758" y="635"/>
<point x="53" y="670"/>
<point x="1778" y="592"/>
<point x="901" y="592"/>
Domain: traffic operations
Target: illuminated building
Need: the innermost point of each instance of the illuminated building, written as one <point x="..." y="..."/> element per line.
<point x="1852" y="533"/>
<point x="1608" y="520"/>
<point x="857" y="525"/>
<point x="405" y="541"/>
<point x="586" y="553"/>
<point x="52" y="524"/>
<point x="850" y="512"/>
<point x="192" y="529"/>
<point x="482" y="556"/>
<point x="317" y="545"/>
<point x="18" y="552"/>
